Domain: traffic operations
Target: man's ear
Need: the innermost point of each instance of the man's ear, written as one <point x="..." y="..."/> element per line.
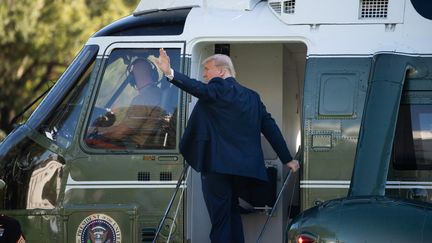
<point x="222" y="72"/>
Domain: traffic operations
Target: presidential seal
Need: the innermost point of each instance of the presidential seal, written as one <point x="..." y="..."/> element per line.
<point x="98" y="228"/>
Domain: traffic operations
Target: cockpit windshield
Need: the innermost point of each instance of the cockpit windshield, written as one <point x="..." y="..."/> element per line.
<point x="135" y="107"/>
<point x="57" y="115"/>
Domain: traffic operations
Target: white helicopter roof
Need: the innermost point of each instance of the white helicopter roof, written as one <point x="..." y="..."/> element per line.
<point x="298" y="12"/>
<point x="151" y="5"/>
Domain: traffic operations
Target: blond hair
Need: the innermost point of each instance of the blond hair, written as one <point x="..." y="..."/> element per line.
<point x="223" y="61"/>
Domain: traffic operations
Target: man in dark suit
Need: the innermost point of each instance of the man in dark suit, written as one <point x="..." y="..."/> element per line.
<point x="10" y="230"/>
<point x="223" y="140"/>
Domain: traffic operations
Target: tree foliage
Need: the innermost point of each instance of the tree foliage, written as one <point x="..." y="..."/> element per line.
<point x="39" y="38"/>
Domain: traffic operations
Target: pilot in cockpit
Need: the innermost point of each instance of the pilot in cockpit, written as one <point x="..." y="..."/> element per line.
<point x="142" y="124"/>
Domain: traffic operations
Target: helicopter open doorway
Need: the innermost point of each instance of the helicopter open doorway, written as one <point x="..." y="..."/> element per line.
<point x="276" y="71"/>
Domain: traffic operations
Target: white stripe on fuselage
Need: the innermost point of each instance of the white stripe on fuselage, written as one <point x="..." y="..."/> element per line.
<point x="344" y="184"/>
<point x="73" y="184"/>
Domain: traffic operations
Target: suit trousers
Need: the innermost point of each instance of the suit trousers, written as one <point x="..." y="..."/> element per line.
<point x="221" y="197"/>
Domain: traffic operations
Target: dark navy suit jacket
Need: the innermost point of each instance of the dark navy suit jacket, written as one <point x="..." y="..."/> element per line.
<point x="223" y="134"/>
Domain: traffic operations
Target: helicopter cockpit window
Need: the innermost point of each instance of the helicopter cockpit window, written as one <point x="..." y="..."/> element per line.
<point x="412" y="149"/>
<point x="136" y="107"/>
<point x="61" y="125"/>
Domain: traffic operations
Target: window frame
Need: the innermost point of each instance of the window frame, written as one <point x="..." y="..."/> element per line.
<point x="181" y="45"/>
<point x="410" y="98"/>
<point x="83" y="93"/>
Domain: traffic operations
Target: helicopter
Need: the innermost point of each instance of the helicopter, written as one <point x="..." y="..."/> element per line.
<point x="349" y="83"/>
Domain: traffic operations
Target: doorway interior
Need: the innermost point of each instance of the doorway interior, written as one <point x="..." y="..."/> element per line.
<point x="276" y="71"/>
